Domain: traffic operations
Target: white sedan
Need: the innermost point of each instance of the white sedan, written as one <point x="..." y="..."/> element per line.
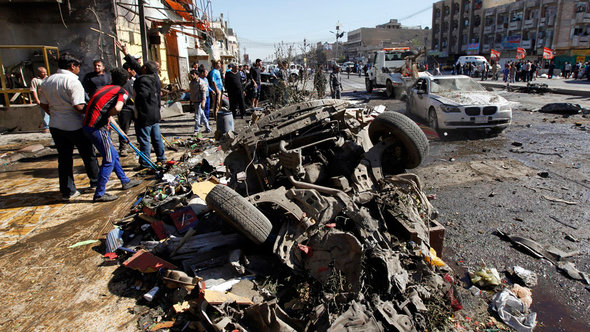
<point x="457" y="102"/>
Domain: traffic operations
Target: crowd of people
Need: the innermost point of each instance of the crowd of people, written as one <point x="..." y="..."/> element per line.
<point x="79" y="111"/>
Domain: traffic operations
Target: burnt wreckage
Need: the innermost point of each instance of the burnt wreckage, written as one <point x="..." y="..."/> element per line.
<point x="324" y="187"/>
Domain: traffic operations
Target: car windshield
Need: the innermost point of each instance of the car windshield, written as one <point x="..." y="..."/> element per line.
<point x="438" y="85"/>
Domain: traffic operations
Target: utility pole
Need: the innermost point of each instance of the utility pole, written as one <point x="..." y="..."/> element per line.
<point x="144" y="44"/>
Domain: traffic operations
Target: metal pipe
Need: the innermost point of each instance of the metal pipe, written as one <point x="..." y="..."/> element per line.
<point x="144" y="45"/>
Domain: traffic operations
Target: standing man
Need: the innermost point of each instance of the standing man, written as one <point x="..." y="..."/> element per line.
<point x="319" y="82"/>
<point x="126" y="115"/>
<point x="35" y="84"/>
<point x="235" y="91"/>
<point x="198" y="92"/>
<point x="62" y="97"/>
<point x="335" y="82"/>
<point x="96" y="79"/>
<point x="216" y="83"/>
<point x="255" y="78"/>
<point x="147" y="105"/>
<point x="106" y="102"/>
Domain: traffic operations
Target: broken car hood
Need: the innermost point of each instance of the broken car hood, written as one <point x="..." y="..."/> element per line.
<point x="458" y="98"/>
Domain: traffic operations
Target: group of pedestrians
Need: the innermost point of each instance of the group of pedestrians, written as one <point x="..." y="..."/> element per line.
<point x="80" y="113"/>
<point x="206" y="91"/>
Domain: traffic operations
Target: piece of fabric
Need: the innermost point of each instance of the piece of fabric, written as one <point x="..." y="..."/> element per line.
<point x="102" y="102"/>
<point x="62" y="91"/>
<point x="65" y="141"/>
<point x="147" y="136"/>
<point x="110" y="159"/>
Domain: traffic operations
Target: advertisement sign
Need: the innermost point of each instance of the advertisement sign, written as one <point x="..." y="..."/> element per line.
<point x="510" y="42"/>
<point x="473" y="48"/>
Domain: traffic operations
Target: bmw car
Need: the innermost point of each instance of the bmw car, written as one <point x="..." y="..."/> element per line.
<point x="457" y="102"/>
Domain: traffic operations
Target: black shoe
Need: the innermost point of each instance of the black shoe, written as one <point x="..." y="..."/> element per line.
<point x="139" y="167"/>
<point x="130" y="184"/>
<point x="105" y="198"/>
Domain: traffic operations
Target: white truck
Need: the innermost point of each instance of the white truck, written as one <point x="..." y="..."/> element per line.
<point x="393" y="69"/>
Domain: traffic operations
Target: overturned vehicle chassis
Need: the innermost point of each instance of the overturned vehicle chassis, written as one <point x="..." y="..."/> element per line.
<point x="333" y="182"/>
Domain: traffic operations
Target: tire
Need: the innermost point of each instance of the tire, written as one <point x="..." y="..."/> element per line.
<point x="412" y="139"/>
<point x="368" y="85"/>
<point x="433" y="120"/>
<point x="389" y="90"/>
<point x="239" y="213"/>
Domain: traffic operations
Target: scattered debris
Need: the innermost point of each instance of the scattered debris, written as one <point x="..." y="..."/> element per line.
<point x="559" y="200"/>
<point x="528" y="278"/>
<point x="485" y="277"/>
<point x="83" y="243"/>
<point x="513" y="311"/>
<point x="562" y="108"/>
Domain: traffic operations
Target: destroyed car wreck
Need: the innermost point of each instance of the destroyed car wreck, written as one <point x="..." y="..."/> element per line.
<point x="333" y="233"/>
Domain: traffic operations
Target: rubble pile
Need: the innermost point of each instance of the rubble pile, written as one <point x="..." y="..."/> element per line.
<point x="306" y="220"/>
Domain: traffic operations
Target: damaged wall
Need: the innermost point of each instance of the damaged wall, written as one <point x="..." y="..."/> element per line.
<point x="41" y="24"/>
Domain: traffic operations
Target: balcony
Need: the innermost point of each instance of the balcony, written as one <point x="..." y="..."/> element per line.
<point x="582" y="17"/>
<point x="532" y="3"/>
<point x="490" y="11"/>
<point x="514" y="25"/>
<point x="516" y="5"/>
<point x="542" y="22"/>
<point x="580" y="41"/>
<point x="500" y="28"/>
<point x="529" y="24"/>
<point x="526" y="43"/>
<point x="549" y="1"/>
<point x="502" y="9"/>
<point x="488" y="29"/>
<point x="551" y="20"/>
<point x="486" y="47"/>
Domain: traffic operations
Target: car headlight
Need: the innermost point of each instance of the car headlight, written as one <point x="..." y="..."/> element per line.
<point x="450" y="109"/>
<point x="504" y="108"/>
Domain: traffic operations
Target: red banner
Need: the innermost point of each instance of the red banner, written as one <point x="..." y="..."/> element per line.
<point x="548" y="53"/>
<point x="494" y="55"/>
<point x="520" y="53"/>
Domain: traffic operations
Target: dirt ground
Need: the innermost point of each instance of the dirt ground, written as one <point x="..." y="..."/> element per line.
<point x="480" y="186"/>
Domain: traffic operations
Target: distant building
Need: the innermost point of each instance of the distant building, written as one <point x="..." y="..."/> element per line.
<point x="221" y="43"/>
<point x="363" y="42"/>
<point x="462" y="27"/>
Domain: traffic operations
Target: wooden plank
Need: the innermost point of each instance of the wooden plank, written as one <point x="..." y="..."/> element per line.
<point x="217" y="297"/>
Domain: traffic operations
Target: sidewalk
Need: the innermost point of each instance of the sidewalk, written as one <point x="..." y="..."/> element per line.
<point x="557" y="85"/>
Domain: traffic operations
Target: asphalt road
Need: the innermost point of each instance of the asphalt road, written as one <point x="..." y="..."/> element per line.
<point x="485" y="183"/>
<point x="480" y="186"/>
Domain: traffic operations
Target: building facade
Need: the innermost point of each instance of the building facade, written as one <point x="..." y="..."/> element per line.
<point x="461" y="27"/>
<point x="363" y="42"/>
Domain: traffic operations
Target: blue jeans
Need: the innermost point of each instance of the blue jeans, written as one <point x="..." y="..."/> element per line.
<point x="207" y="105"/>
<point x="45" y="119"/>
<point x="200" y="118"/>
<point x="150" y="135"/>
<point x="110" y="159"/>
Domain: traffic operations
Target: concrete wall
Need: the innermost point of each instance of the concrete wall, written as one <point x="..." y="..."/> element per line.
<point x="41" y="24"/>
<point x="23" y="117"/>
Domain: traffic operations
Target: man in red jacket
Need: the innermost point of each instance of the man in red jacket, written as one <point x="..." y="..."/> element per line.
<point x="105" y="103"/>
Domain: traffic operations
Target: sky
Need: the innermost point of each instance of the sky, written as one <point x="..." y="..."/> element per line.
<point x="261" y="24"/>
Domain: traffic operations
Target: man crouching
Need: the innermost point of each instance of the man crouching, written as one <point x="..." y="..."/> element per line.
<point x="105" y="103"/>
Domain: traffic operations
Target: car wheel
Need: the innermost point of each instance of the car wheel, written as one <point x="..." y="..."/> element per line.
<point x="433" y="120"/>
<point x="239" y="213"/>
<point x="413" y="143"/>
<point x="389" y="90"/>
<point x="368" y="85"/>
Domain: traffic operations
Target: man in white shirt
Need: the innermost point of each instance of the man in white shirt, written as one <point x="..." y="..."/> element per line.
<point x="62" y="96"/>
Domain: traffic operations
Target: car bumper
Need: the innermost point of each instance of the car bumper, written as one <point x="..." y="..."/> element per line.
<point x="500" y="119"/>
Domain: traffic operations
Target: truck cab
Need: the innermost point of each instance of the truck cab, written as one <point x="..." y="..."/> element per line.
<point x="391" y="69"/>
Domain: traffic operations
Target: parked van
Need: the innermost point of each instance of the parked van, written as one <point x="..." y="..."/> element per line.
<point x="475" y="59"/>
